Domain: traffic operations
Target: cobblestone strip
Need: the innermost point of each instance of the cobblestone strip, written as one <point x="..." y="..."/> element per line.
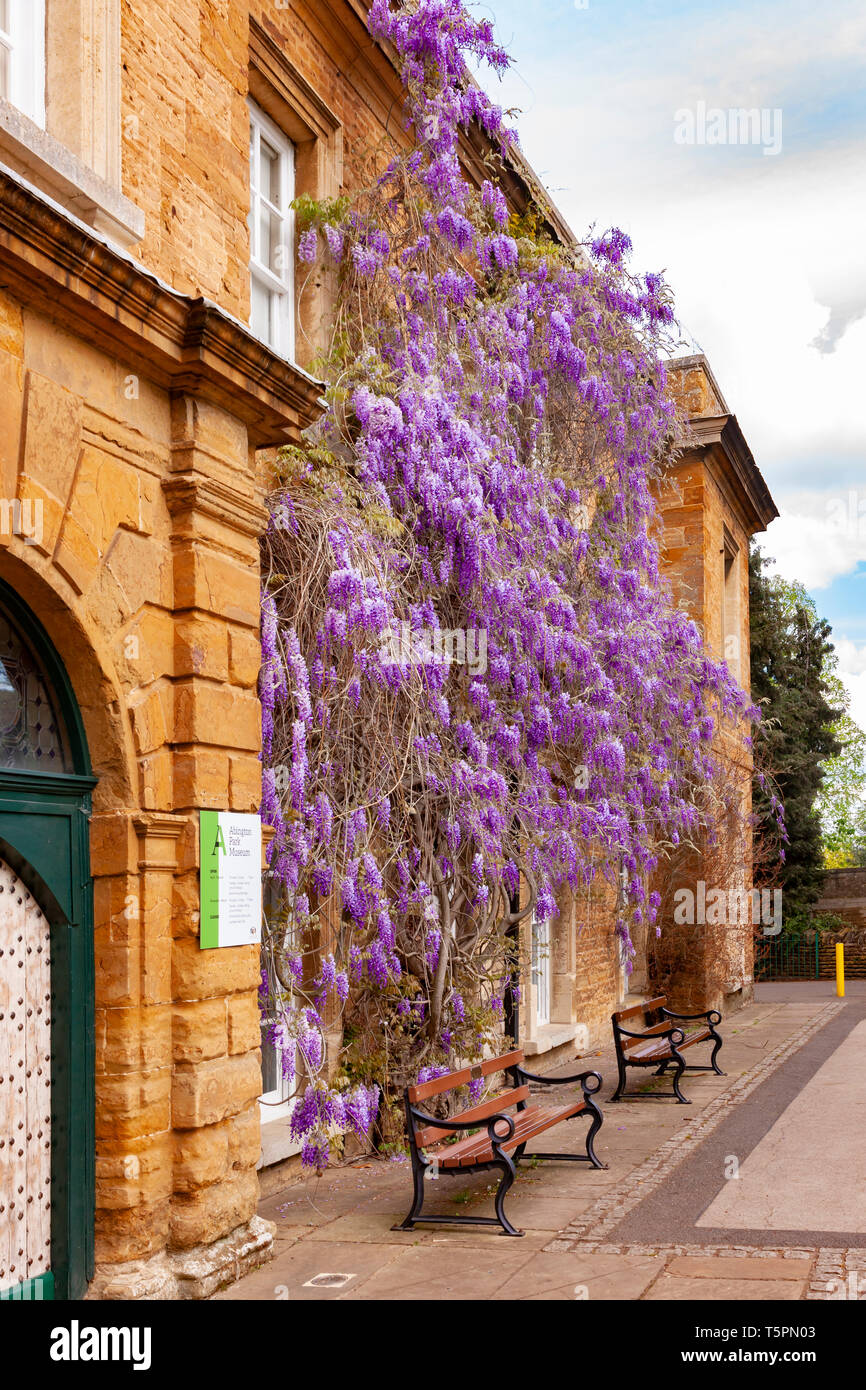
<point x="839" y="1274"/>
<point x="758" y="1252"/>
<point x="586" y="1232"/>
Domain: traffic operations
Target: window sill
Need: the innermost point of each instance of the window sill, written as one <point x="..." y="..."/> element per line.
<point x="277" y="1142"/>
<point x="551" y="1035"/>
<point x="46" y="163"/>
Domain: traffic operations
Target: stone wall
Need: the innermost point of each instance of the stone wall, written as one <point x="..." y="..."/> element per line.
<point x="187" y="77"/>
<point x="704" y="511"/>
<point x="845" y="893"/>
<point x="707" y="517"/>
<point x="853" y="938"/>
<point x="144" y="570"/>
<point x="137" y="413"/>
<point x="601" y="980"/>
<point x="136" y="416"/>
<point x="588" y="979"/>
<point x="134" y="409"/>
<point x="152" y="602"/>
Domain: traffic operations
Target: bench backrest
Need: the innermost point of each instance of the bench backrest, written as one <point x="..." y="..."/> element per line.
<point x="451" y="1081"/>
<point x="637" y="1018"/>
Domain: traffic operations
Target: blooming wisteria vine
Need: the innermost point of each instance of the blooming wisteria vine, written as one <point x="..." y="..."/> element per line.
<point x="474" y="686"/>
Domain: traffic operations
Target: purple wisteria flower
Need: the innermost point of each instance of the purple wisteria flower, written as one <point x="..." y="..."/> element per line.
<point x="477" y="681"/>
<point x="308" y="245"/>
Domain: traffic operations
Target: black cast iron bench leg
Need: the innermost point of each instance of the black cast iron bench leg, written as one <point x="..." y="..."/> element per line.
<point x="419" y="1173"/>
<point x="681" y="1066"/>
<point x="597" y="1119"/>
<point x="620" y="1085"/>
<point x="508" y="1176"/>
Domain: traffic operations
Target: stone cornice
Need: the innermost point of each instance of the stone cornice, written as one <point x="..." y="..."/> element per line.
<point x="724" y="432"/>
<point x="69" y="272"/>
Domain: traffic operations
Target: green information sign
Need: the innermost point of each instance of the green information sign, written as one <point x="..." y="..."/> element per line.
<point x="231" y="879"/>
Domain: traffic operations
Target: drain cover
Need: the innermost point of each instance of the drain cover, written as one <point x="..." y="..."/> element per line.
<point x="328" y="1281"/>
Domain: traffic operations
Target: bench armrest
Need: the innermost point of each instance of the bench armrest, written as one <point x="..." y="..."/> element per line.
<point x="711" y="1015"/>
<point x="676" y="1035"/>
<point x="582" y="1077"/>
<point x="458" y="1125"/>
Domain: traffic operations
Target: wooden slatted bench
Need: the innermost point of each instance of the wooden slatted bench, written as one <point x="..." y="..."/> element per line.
<point x="494" y="1138"/>
<point x="663" y="1042"/>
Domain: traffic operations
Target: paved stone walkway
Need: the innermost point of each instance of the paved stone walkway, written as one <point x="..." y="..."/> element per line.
<point x="665" y="1220"/>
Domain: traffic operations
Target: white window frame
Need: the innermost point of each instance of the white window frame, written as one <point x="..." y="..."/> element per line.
<point x="24" y="42"/>
<point x="275" y="1111"/>
<point x="277" y="1103"/>
<point x="279" y="286"/>
<point x="542" y="973"/>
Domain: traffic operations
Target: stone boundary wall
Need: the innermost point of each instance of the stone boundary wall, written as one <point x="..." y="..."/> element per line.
<point x="845" y="893"/>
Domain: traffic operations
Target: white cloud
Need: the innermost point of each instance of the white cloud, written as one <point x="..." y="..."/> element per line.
<point x="852" y="659"/>
<point x="852" y="670"/>
<point x="760" y="258"/>
<point x="765" y="255"/>
<point x="823" y="542"/>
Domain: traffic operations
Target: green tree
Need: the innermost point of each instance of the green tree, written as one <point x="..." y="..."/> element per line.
<point x="840" y="802"/>
<point x="795" y="684"/>
<point x="855" y="855"/>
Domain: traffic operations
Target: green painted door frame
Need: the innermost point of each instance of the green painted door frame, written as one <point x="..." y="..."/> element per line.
<point x="45" y="839"/>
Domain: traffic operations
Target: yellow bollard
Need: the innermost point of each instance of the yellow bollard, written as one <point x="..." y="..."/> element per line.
<point x="840" y="970"/>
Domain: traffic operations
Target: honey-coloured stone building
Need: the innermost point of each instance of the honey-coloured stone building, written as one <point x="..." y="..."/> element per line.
<point x="711" y="500"/>
<point x="155" y="345"/>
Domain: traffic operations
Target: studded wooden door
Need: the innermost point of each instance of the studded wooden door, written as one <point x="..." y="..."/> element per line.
<point x="46" y="970"/>
<point x="25" y="1083"/>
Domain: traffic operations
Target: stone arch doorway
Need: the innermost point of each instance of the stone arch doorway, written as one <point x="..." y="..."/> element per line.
<point x="46" y="970"/>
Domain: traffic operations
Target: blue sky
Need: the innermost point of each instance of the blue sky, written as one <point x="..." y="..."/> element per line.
<point x="766" y="253"/>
